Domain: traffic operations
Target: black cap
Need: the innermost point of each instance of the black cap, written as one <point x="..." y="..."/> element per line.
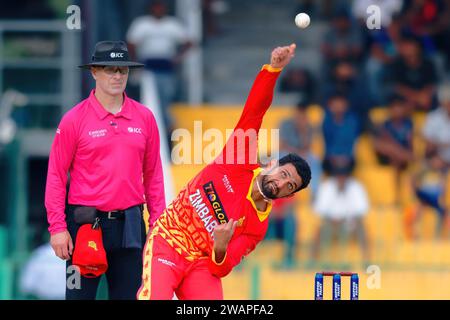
<point x="111" y="53"/>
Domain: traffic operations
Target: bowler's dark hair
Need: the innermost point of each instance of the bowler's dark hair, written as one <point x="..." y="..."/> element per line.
<point x="302" y="167"/>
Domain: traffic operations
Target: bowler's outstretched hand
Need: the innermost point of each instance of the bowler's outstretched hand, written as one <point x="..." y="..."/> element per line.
<point x="281" y="56"/>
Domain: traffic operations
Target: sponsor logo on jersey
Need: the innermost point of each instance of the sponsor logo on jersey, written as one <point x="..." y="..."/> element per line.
<point x="98" y="133"/>
<point x="166" y="262"/>
<point x="241" y="221"/>
<point x="203" y="211"/>
<point x="215" y="202"/>
<point x="227" y="184"/>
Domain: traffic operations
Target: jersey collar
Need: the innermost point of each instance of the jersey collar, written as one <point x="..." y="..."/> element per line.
<point x="262" y="215"/>
<point x="102" y="113"/>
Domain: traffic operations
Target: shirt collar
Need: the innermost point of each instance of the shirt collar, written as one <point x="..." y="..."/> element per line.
<point x="102" y="113"/>
<point x="262" y="215"/>
<point x="126" y="107"/>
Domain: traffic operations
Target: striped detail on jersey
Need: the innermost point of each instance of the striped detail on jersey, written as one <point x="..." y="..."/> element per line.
<point x="144" y="292"/>
<point x="181" y="228"/>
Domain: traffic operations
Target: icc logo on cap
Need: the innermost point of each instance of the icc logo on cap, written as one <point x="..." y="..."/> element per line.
<point x="116" y="55"/>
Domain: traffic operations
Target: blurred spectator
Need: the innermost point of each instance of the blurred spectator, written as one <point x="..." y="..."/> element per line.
<point x="340" y="129"/>
<point x="299" y="81"/>
<point x="329" y="8"/>
<point x="413" y="76"/>
<point x="436" y="130"/>
<point x="210" y="10"/>
<point x="383" y="44"/>
<point x="393" y="140"/>
<point x="283" y="226"/>
<point x="44" y="275"/>
<point x="429" y="20"/>
<point x="160" y="42"/>
<point x="341" y="203"/>
<point x="388" y="9"/>
<point x="446" y="199"/>
<point x="296" y="136"/>
<point x="346" y="79"/>
<point x="428" y="184"/>
<point x="209" y="23"/>
<point x="342" y="41"/>
<point x="37" y="177"/>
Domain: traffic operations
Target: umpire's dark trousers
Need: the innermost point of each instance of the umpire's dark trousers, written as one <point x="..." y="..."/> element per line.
<point x="124" y="274"/>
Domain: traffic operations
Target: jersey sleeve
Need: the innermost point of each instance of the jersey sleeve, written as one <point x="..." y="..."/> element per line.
<point x="241" y="147"/>
<point x="237" y="249"/>
<point x="61" y="155"/>
<point x="153" y="174"/>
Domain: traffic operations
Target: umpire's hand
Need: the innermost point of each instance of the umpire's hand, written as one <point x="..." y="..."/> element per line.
<point x="62" y="244"/>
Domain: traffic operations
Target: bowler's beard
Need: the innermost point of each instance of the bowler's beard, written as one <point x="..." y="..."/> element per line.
<point x="266" y="188"/>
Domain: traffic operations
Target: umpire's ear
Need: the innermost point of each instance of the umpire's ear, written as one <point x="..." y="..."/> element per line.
<point x="94" y="72"/>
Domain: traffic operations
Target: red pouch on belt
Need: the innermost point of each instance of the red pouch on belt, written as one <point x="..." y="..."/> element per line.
<point x="89" y="254"/>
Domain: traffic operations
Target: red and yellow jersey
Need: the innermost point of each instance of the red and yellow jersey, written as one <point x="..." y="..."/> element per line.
<point x="222" y="190"/>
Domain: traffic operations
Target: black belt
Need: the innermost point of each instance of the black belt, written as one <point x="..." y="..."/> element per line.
<point x="112" y="215"/>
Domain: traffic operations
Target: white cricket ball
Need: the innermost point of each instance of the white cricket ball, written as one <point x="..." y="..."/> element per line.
<point x="302" y="20"/>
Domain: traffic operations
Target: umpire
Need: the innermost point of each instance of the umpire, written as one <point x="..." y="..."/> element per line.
<point x="109" y="144"/>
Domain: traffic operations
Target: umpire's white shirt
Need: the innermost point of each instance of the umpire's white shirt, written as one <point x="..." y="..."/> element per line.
<point x="333" y="203"/>
<point x="156" y="38"/>
<point x="437" y="130"/>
